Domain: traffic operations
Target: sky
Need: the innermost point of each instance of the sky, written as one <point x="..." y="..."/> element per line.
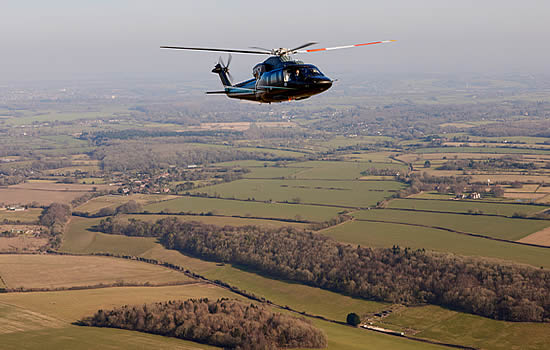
<point x="98" y="39"/>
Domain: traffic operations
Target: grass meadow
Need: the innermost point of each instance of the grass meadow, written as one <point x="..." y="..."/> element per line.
<point x="338" y="193"/>
<point x="221" y="220"/>
<point x="29" y="215"/>
<point x="341" y="170"/>
<point x="243" y="208"/>
<point x="374" y="234"/>
<point x="79" y="239"/>
<point x="434" y="322"/>
<point x="497" y="227"/>
<point x="506" y="209"/>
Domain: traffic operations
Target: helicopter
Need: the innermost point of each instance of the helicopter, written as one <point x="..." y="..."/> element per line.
<point x="277" y="79"/>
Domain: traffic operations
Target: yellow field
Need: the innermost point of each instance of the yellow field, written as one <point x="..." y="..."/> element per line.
<point x="44" y="193"/>
<point x="43" y="320"/>
<point x="17" y="319"/>
<point x="51" y="271"/>
<point x="525" y="195"/>
<point x="98" y="203"/>
<point x="22" y="243"/>
<point x="541" y="237"/>
<point x="47" y="186"/>
<point x="70" y="306"/>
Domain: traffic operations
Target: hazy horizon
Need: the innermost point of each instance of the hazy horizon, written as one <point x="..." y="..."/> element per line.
<point x="63" y="40"/>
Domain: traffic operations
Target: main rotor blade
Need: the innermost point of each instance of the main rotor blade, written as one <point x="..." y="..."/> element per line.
<point x="216" y="50"/>
<point x="302" y="46"/>
<point x="259" y="48"/>
<point x="344" y="47"/>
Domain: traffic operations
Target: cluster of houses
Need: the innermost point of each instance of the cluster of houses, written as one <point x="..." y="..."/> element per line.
<point x="147" y="183"/>
<point x="473" y="195"/>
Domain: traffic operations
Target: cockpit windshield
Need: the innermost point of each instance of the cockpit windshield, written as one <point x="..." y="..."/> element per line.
<point x="300" y="73"/>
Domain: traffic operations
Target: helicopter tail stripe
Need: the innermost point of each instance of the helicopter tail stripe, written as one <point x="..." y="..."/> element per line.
<point x="347" y="46"/>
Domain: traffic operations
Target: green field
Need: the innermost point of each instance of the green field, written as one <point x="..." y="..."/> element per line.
<point x="342" y="141"/>
<point x="373" y="234"/>
<point x="79" y="239"/>
<point x="434" y="322"/>
<point x="271" y="172"/>
<point x="248" y="164"/>
<point x="341" y="170"/>
<point x="492" y="150"/>
<point x="28" y="215"/>
<point x="506" y="209"/>
<point x="243" y="208"/>
<point x="498" y="227"/>
<point x="295" y="295"/>
<point x="277" y="152"/>
<point x="344" y="193"/>
<point x="348" y="338"/>
<point x="376" y="157"/>
<point x="92" y="180"/>
<point x="220" y="220"/>
<point x="319" y="170"/>
<point x="48" y="116"/>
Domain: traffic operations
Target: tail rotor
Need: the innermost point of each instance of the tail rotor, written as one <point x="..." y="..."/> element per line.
<point x="225" y="67"/>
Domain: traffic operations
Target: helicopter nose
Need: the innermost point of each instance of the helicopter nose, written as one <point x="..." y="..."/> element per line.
<point x="323" y="83"/>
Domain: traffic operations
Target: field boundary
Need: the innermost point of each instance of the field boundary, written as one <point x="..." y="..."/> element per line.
<point x="98" y="286"/>
<point x="474" y="201"/>
<point x="276" y="202"/>
<point x="459" y="213"/>
<point x="311" y="179"/>
<point x="82" y="215"/>
<point x="477" y="235"/>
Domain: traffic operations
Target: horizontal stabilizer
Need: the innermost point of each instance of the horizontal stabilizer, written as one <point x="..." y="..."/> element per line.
<point x="216" y="92"/>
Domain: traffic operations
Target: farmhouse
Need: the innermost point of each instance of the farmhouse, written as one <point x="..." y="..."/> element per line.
<point x="15" y="208"/>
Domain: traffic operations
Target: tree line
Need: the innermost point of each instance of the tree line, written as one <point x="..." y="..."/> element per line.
<point x="54" y="218"/>
<point x="225" y="323"/>
<point x="143" y="156"/>
<point x="474" y="285"/>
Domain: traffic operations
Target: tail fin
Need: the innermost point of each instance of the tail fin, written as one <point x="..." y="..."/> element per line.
<point x="222" y="72"/>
